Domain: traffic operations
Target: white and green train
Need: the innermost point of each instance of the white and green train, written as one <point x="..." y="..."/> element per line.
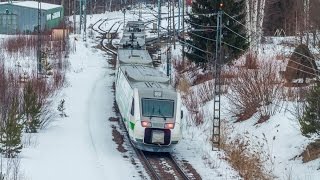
<point x="149" y="106"/>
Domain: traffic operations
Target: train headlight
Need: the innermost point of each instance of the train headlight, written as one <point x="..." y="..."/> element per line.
<point x="169" y="125"/>
<point x="145" y="124"/>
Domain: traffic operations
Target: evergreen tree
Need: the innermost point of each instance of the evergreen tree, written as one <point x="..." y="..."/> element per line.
<point x="310" y="121"/>
<point x="203" y="22"/>
<point x="11" y="131"/>
<point x="32" y="109"/>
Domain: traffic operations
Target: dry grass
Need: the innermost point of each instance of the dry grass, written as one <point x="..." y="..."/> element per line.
<point x="182" y="85"/>
<point x="239" y="154"/>
<point x="295" y="93"/>
<point x="251" y="61"/>
<point x="311" y="152"/>
<point x="280" y="56"/>
<point x="202" y="78"/>
<point x="206" y="91"/>
<point x="248" y="164"/>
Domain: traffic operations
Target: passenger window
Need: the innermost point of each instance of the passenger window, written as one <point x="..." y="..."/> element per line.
<point x="132" y="107"/>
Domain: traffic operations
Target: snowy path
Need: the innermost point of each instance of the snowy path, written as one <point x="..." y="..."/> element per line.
<point x="81" y="146"/>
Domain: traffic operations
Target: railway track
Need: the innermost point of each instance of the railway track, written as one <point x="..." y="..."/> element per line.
<point x="110" y="49"/>
<point x="158" y="165"/>
<point x="163" y="166"/>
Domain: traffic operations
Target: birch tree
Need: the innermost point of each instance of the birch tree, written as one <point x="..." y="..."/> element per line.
<point x="255" y="16"/>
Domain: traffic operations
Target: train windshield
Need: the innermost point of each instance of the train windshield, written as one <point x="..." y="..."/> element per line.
<point x="157" y="108"/>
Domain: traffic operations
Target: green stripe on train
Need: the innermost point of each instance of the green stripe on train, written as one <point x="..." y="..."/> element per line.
<point x="132" y="125"/>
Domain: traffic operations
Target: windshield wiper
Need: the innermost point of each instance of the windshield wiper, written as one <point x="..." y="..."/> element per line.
<point x="151" y="114"/>
<point x="164" y="117"/>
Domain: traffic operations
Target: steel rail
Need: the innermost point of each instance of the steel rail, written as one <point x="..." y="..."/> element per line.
<point x="182" y="173"/>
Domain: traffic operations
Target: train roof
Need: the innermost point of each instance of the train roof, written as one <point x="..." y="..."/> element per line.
<point x="125" y="42"/>
<point x="145" y="77"/>
<point x="128" y="56"/>
<point x="134" y="26"/>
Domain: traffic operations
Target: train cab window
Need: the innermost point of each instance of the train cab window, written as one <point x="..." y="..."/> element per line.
<point x="132" y="108"/>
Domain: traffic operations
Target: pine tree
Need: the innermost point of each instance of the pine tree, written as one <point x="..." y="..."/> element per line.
<point x="310" y="121"/>
<point x="203" y="22"/>
<point x="11" y="131"/>
<point x="32" y="109"/>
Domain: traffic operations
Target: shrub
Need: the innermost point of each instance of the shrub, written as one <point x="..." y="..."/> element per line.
<point x="251" y="61"/>
<point x="248" y="164"/>
<point x="255" y="91"/>
<point x="301" y="64"/>
<point x="245" y="158"/>
<point x="310" y="120"/>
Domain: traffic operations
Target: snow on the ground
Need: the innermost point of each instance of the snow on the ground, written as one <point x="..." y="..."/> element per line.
<point x="81" y="145"/>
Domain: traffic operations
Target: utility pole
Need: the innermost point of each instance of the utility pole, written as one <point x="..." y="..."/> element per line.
<point x="159" y="19"/>
<point x="173" y="25"/>
<point x="124" y="17"/>
<point x="83" y="18"/>
<point x="140" y="13"/>
<point x="74" y="17"/>
<point x="158" y="30"/>
<point x="183" y="33"/>
<point x="179" y="15"/>
<point x="80" y="16"/>
<point x="39" y="66"/>
<point x="217" y="80"/>
<point x="169" y="40"/>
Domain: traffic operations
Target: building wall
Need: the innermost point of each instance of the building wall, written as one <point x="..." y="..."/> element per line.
<point x="27" y="19"/>
<point x="8" y="23"/>
<point x="54" y="17"/>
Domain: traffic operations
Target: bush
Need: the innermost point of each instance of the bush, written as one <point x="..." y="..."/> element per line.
<point x="251" y="61"/>
<point x="255" y="91"/>
<point x="245" y="157"/>
<point x="301" y="64"/>
<point x="310" y="120"/>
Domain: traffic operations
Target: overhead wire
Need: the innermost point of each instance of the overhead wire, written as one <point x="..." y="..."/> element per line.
<point x="216" y="40"/>
<point x="312" y="68"/>
<point x="195" y="47"/>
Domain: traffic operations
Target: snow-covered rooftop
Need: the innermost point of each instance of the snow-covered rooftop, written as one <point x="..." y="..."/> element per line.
<point x="33" y="4"/>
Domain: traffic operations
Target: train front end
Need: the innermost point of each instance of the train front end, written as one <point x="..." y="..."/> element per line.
<point x="159" y="126"/>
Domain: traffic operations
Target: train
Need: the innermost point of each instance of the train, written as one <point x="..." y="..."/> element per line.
<point x="150" y="107"/>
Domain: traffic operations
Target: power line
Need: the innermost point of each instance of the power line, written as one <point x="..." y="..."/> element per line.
<point x="202" y="25"/>
<point x="215" y="41"/>
<point x="303" y="71"/>
<point x="233" y="46"/>
<point x="207" y="52"/>
<point x="244" y="51"/>
<point x="236" y="33"/>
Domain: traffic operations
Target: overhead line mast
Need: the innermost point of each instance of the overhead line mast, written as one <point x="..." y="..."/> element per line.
<point x="83" y="18"/>
<point x="39" y="65"/>
<point x="217" y="81"/>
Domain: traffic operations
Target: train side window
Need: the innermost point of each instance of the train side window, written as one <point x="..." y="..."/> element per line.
<point x="132" y="108"/>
